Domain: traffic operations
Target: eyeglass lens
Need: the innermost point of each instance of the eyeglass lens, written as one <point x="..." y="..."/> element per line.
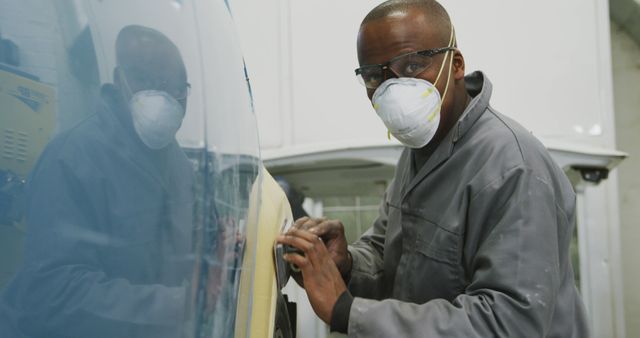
<point x="410" y="65"/>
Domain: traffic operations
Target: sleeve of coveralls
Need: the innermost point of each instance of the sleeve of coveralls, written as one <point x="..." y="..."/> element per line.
<point x="514" y="273"/>
<point x="62" y="290"/>
<point x="367" y="253"/>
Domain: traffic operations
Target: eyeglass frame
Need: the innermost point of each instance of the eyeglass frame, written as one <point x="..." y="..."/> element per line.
<point x="161" y="87"/>
<point x="384" y="66"/>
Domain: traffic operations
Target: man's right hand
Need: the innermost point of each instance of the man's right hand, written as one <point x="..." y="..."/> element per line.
<point x="332" y="234"/>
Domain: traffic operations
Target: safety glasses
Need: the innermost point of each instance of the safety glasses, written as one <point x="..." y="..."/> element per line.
<point x="406" y="65"/>
<point x="179" y="91"/>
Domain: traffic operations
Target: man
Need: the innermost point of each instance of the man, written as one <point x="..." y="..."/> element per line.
<point x="109" y="210"/>
<point x="473" y="234"/>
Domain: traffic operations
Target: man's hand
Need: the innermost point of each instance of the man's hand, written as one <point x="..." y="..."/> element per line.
<point x="332" y="233"/>
<point x="321" y="277"/>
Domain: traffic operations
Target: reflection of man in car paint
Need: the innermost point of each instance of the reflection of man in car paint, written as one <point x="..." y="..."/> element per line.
<point x="110" y="207"/>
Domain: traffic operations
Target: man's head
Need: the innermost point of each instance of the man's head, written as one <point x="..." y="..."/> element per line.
<point x="148" y="60"/>
<point x="398" y="27"/>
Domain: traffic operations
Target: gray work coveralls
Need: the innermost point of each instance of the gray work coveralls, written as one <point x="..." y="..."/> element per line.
<point x="475" y="244"/>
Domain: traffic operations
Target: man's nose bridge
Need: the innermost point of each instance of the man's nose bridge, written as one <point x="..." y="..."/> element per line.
<point x="388" y="73"/>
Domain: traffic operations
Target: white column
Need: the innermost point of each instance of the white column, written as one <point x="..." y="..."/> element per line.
<point x="598" y="241"/>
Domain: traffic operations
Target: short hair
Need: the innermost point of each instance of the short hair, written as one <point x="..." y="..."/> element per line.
<point x="431" y="8"/>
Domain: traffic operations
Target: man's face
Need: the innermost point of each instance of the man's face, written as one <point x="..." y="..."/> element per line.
<point x="381" y="40"/>
<point x="155" y="69"/>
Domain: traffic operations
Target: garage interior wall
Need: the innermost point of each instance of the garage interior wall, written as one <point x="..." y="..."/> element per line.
<point x="626" y="82"/>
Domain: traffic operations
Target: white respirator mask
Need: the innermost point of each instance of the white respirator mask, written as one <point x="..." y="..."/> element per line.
<point x="157" y="116"/>
<point x="410" y="107"/>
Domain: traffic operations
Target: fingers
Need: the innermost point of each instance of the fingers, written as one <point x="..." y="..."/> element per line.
<point x="307" y="235"/>
<point x="312" y="245"/>
<point x="297" y="242"/>
<point x="303" y="240"/>
<point x="306" y="223"/>
<point x="311" y="264"/>
<point x="323" y="227"/>
<point x="300" y="261"/>
<point x="299" y="222"/>
<point x="327" y="229"/>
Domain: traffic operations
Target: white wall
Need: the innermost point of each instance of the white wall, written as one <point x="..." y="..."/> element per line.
<point x="626" y="80"/>
<point x="546" y="69"/>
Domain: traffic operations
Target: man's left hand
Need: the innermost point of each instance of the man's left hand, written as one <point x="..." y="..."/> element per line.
<point x="321" y="277"/>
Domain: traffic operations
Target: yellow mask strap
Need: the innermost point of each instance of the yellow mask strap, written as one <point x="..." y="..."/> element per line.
<point x="451" y="44"/>
<point x="446" y="87"/>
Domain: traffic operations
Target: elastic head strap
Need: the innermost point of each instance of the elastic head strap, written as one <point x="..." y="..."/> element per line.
<point x="451" y="44"/>
<point x="431" y="116"/>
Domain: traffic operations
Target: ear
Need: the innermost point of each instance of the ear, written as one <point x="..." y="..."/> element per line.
<point x="458" y="65"/>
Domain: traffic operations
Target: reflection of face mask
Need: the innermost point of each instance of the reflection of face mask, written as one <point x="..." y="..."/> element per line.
<point x="410" y="107"/>
<point x="157" y="116"/>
